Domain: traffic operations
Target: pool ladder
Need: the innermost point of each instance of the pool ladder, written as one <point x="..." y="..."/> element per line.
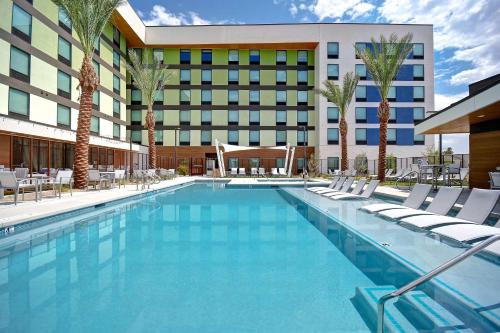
<point x="424" y="278"/>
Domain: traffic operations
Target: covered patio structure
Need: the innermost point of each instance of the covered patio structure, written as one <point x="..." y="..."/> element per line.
<point x="479" y="115"/>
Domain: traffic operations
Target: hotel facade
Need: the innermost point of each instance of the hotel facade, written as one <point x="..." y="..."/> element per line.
<point x="247" y="85"/>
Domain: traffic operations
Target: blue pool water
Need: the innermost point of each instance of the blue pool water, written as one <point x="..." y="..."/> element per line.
<point x="205" y="259"/>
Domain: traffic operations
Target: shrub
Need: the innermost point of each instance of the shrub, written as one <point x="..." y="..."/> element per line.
<point x="182" y="170"/>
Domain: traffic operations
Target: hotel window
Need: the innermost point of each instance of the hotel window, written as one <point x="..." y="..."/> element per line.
<point x="232" y="137"/>
<point x="21" y="23"/>
<point x="302" y="57"/>
<point x="64" y="21"/>
<point x="185" y="56"/>
<point x="97" y="45"/>
<point x="184" y="137"/>
<point x="63" y="84"/>
<point x="332" y="114"/>
<point x="97" y="68"/>
<point x="159" y="97"/>
<point x="96" y="100"/>
<point x="185" y="76"/>
<point x="418" y="72"/>
<point x="206" y="137"/>
<point x="301" y="138"/>
<point x="281" y="97"/>
<point x="63" y="115"/>
<point x="116" y="131"/>
<point x="333" y="72"/>
<point x="116" y="84"/>
<point x="333" y="50"/>
<point x="116" y="108"/>
<point x="392" y="115"/>
<point x="64" y="51"/>
<point x="116" y="60"/>
<point x="206" y="76"/>
<point x="206" y="56"/>
<point x="20" y="63"/>
<point x="419" y="139"/>
<point x="254" y="57"/>
<point x="280" y="117"/>
<point x="254" y="117"/>
<point x="302" y="117"/>
<point x="232" y="162"/>
<point x="206" y="117"/>
<point x="233" y="76"/>
<point x="360" y="136"/>
<point x="254" y="138"/>
<point x="281" y="57"/>
<point x="138" y="52"/>
<point x="391" y="96"/>
<point x="418" y="51"/>
<point x="391" y="136"/>
<point x="418" y="94"/>
<point x="185" y="97"/>
<point x="116" y="36"/>
<point x="158" y="137"/>
<point x="360" y="115"/>
<point x="158" y="117"/>
<point x="254" y="76"/>
<point x="360" y="93"/>
<point x="361" y="71"/>
<point x="232" y="97"/>
<point x="280" y="77"/>
<point x="94" y="125"/>
<point x="135" y="117"/>
<point x="233" y="57"/>
<point x="302" y="97"/>
<point x="158" y="55"/>
<point x="254" y="97"/>
<point x="418" y="114"/>
<point x="233" y="117"/>
<point x="332" y="163"/>
<point x="136" y="136"/>
<point x="280" y="138"/>
<point x="185" y="117"/>
<point x="332" y="136"/>
<point x="19" y="102"/>
<point x="301" y="77"/>
<point x="359" y="47"/>
<point x="136" y="97"/>
<point x="206" y="97"/>
<point x="280" y="162"/>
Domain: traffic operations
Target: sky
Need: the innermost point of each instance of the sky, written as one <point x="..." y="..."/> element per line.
<point x="466" y="32"/>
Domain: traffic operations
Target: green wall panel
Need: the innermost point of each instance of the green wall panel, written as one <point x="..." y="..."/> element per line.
<point x="244" y="98"/>
<point x="310" y="77"/>
<point x="171" y="117"/>
<point x="244" y="118"/>
<point x="310" y="58"/>
<point x="219" y="56"/>
<point x="195" y="97"/>
<point x="219" y="97"/>
<point x="6" y="15"/>
<point x="172" y="96"/>
<point x="174" y="76"/>
<point x="267" y="97"/>
<point x="244" y="57"/>
<point x="219" y="117"/>
<point x="195" y="117"/>
<point x="244" y="77"/>
<point x="310" y="97"/>
<point x="291" y="77"/>
<point x="219" y="77"/>
<point x="291" y="58"/>
<point x="291" y="97"/>
<point x="172" y="56"/>
<point x="195" y="76"/>
<point x="267" y="57"/>
<point x="48" y="8"/>
<point x="267" y="77"/>
<point x="44" y="38"/>
<point x="195" y="56"/>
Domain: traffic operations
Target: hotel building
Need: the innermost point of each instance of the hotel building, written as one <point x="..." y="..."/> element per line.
<point x="248" y="85"/>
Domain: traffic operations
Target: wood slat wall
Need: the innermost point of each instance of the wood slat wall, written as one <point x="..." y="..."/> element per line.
<point x="484" y="157"/>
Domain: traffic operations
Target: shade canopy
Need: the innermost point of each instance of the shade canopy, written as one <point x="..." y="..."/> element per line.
<point x="231" y="148"/>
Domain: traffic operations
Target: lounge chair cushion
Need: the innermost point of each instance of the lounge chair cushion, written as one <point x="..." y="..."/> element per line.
<point x="400" y="213"/>
<point x="429" y="221"/>
<point x="380" y="207"/>
<point x="466" y="233"/>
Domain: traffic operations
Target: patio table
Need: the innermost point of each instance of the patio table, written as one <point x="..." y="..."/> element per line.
<point x="110" y="175"/>
<point x="435" y="173"/>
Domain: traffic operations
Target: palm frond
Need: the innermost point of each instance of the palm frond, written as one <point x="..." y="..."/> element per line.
<point x="341" y="95"/>
<point x="150" y="78"/>
<point x="384" y="59"/>
<point x="88" y="18"/>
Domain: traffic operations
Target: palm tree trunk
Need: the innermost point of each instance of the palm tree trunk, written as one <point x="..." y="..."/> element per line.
<point x="383" y="116"/>
<point x="150" y="124"/>
<point x="88" y="84"/>
<point x="343" y="144"/>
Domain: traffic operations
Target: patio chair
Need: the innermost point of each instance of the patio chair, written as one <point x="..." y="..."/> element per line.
<point x="334" y="181"/>
<point x="441" y="204"/>
<point x="398" y="174"/>
<point x="9" y="181"/>
<point x="21" y="173"/>
<point x="234" y="171"/>
<point x="282" y="172"/>
<point x="94" y="178"/>
<point x="119" y="177"/>
<point x="262" y="172"/>
<point x="476" y="210"/>
<point x="242" y="172"/>
<point x="387" y="173"/>
<point x="253" y="172"/>
<point x="414" y="200"/>
<point x="152" y="176"/>
<point x="337" y="186"/>
<point x="274" y="172"/>
<point x="345" y="188"/>
<point x="367" y="193"/>
<point x="61" y="178"/>
<point x="494" y="180"/>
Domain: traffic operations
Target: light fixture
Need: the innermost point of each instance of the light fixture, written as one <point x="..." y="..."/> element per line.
<point x="481" y="116"/>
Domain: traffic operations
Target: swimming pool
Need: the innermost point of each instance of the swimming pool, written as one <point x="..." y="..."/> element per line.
<point x="204" y="258"/>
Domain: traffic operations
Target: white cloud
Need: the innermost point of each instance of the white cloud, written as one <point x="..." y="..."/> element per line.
<point x="159" y="15"/>
<point x="458" y="142"/>
<point x="338" y="8"/>
<point x="293" y="9"/>
<point x="470" y="27"/>
<point x="441" y="101"/>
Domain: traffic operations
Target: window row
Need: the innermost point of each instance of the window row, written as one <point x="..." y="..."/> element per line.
<point x="406" y="72"/>
<point x="234" y="57"/>
<point x="397" y="115"/>
<point x="395" y="136"/>
<point x="417" y="51"/>
<point x="233" y="76"/>
<point x="396" y="94"/>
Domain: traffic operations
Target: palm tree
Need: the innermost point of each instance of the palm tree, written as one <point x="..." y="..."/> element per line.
<point x="383" y="63"/>
<point x="341" y="96"/>
<point x="150" y="79"/>
<point x="88" y="19"/>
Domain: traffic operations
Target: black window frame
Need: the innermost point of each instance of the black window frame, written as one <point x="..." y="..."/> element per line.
<point x="17" y="32"/>
<point x="332" y="56"/>
<point x="62" y="58"/>
<point x="60" y="92"/>
<point x="18" y="75"/>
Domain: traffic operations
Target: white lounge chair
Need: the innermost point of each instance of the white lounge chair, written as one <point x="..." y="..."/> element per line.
<point x="282" y="172"/>
<point x="21" y="173"/>
<point x="387" y="173"/>
<point x="493" y="249"/>
<point x="120" y="176"/>
<point x="262" y="172"/>
<point x="253" y="172"/>
<point x="441" y="204"/>
<point x="367" y="193"/>
<point x="398" y="174"/>
<point x="356" y="190"/>
<point x="337" y="186"/>
<point x="466" y="232"/>
<point x="62" y="177"/>
<point x="242" y="172"/>
<point x="234" y="171"/>
<point x="334" y="181"/>
<point x="494" y="180"/>
<point x="476" y="210"/>
<point x="415" y="200"/>
<point x="345" y="187"/>
<point x="274" y="172"/>
<point x="94" y="178"/>
<point x="8" y="181"/>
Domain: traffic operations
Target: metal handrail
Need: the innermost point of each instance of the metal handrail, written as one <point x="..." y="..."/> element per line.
<point x="424" y="278"/>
